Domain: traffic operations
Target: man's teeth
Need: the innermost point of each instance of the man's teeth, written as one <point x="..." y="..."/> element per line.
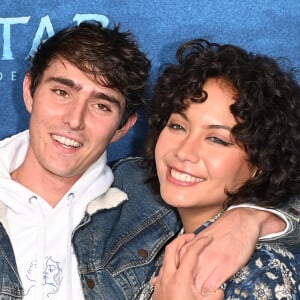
<point x="66" y="141"/>
<point x="185" y="177"/>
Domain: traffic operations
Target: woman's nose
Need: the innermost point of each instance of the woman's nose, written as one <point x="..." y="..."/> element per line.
<point x="189" y="150"/>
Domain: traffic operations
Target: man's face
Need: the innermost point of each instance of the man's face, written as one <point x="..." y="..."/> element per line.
<point x="73" y="119"/>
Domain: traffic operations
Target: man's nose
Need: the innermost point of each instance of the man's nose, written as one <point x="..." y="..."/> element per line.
<point x="73" y="117"/>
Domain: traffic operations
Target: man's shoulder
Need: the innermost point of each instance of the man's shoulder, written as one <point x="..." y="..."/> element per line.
<point x="129" y="170"/>
<point x="132" y="178"/>
<point x="126" y="164"/>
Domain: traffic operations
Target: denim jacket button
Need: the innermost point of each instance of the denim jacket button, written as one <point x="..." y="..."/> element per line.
<point x="90" y="283"/>
<point x="143" y="253"/>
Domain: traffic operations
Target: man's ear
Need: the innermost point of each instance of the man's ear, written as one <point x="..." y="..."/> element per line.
<point x="27" y="93"/>
<point x="123" y="131"/>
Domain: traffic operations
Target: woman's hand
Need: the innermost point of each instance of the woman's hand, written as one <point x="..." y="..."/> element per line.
<point x="176" y="279"/>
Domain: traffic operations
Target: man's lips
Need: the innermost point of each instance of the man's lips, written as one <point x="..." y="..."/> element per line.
<point x="66" y="142"/>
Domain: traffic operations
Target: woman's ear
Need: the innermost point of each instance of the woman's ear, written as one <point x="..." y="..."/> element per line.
<point x="123" y="131"/>
<point x="28" y="100"/>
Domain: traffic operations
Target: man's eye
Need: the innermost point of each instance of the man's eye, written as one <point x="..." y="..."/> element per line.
<point x="219" y="141"/>
<point x="103" y="107"/>
<point x="60" y="92"/>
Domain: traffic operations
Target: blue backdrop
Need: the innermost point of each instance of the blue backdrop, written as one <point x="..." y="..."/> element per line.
<point x="267" y="26"/>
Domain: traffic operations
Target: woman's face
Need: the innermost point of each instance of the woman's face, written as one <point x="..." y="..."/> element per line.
<point x="196" y="156"/>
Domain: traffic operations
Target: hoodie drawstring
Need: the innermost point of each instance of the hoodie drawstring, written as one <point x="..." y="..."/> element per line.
<point x="69" y="272"/>
<point x="40" y="242"/>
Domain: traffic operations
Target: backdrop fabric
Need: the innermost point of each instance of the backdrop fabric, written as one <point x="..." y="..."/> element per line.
<point x="269" y="27"/>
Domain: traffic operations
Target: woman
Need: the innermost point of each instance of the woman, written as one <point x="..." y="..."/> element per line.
<point x="226" y="130"/>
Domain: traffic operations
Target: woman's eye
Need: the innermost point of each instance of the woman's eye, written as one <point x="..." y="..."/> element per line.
<point x="219" y="141"/>
<point x="175" y="126"/>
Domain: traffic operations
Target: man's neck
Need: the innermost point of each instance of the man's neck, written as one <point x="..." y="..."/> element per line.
<point x="50" y="187"/>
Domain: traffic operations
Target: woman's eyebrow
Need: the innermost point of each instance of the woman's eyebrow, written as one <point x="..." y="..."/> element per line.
<point x="212" y="126"/>
<point x="220" y="127"/>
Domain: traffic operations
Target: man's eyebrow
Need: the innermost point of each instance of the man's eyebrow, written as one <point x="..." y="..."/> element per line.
<point x="68" y="82"/>
<point x="99" y="95"/>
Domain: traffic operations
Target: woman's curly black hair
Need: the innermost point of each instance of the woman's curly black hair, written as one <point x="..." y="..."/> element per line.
<point x="267" y="111"/>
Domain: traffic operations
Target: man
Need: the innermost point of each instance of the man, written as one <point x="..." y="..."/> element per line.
<point x="65" y="234"/>
<point x="82" y="92"/>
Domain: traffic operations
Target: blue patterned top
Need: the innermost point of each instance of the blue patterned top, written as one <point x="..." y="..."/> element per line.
<point x="271" y="273"/>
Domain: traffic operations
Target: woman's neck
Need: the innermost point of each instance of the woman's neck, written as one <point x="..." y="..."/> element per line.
<point x="193" y="218"/>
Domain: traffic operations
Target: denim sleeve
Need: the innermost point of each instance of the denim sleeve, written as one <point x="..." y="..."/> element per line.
<point x="290" y="213"/>
<point x="291" y="238"/>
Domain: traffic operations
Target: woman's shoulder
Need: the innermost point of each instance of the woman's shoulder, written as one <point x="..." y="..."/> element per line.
<point x="271" y="273"/>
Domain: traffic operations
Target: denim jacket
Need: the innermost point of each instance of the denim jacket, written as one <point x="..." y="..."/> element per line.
<point x="118" y="248"/>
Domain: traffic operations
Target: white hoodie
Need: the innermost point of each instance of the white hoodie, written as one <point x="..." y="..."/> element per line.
<point x="40" y="234"/>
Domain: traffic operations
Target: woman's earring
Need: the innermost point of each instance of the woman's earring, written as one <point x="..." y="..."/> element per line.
<point x="256" y="171"/>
